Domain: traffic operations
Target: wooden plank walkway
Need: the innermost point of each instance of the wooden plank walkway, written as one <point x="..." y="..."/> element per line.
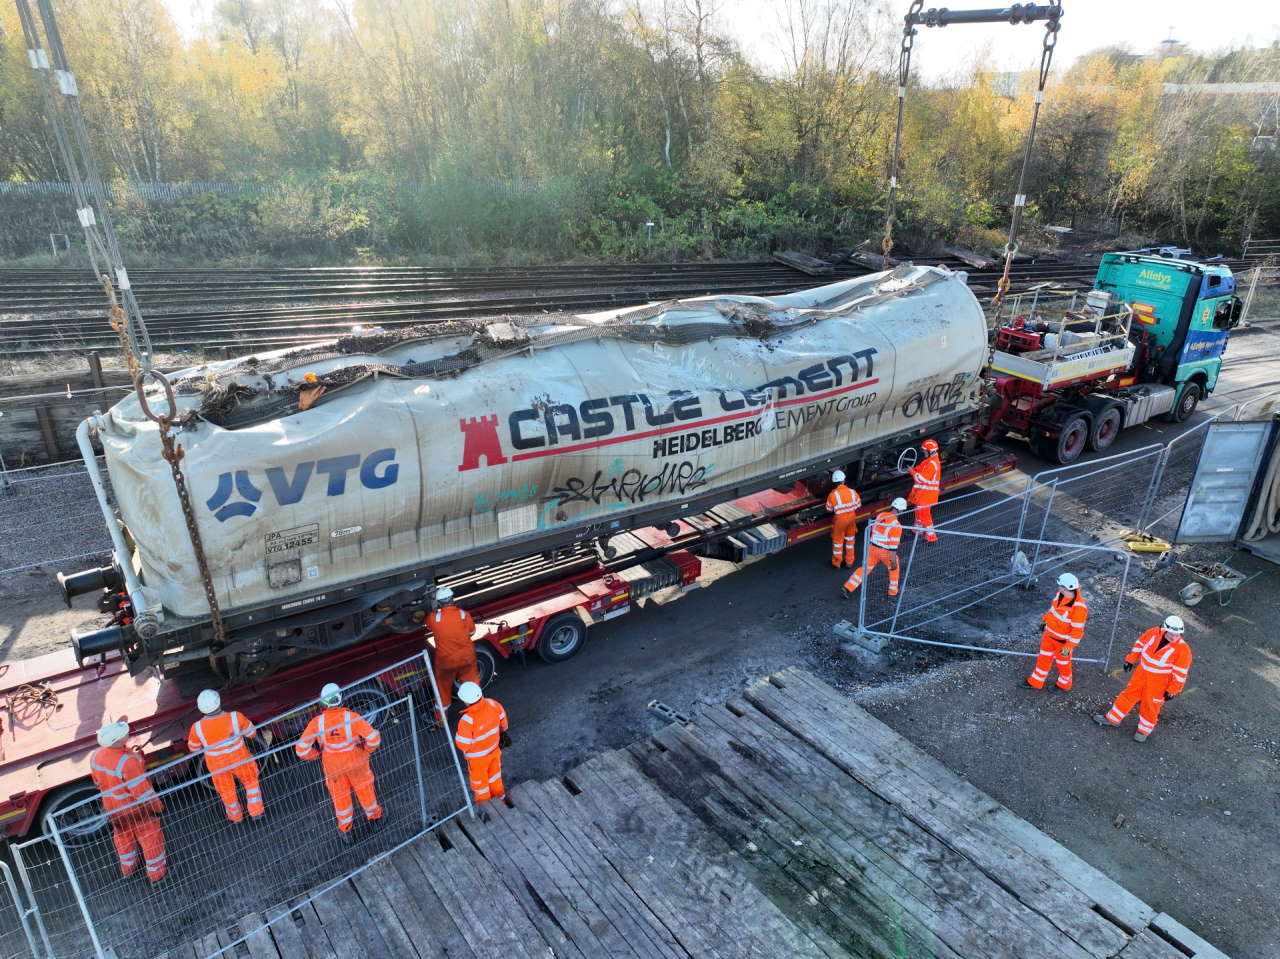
<point x="787" y="822"/>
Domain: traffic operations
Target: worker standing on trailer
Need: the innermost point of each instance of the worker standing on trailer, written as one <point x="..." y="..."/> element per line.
<point x="926" y="485"/>
<point x="1063" y="630"/>
<point x="131" y="805"/>
<point x="842" y="504"/>
<point x="481" y="736"/>
<point x="346" y="740"/>
<point x="221" y="737"/>
<point x="455" y="652"/>
<point x="1163" y="659"/>
<point x="886" y="534"/>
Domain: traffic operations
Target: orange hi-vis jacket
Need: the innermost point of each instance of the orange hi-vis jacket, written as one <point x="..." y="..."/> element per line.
<point x="343" y="737"/>
<point x="1065" y="619"/>
<point x="478" y="728"/>
<point x="1164" y="667"/>
<point x="842" y="500"/>
<point x="121" y="777"/>
<point x="886" y="531"/>
<point x="452" y="629"/>
<point x="222" y="738"/>
<point x="927" y="482"/>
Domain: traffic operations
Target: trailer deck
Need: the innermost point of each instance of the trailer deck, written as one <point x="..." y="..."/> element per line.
<point x="787" y="822"/>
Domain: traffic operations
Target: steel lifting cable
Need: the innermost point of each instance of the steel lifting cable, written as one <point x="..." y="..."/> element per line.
<point x="1051" y="27"/>
<point x="904" y="72"/>
<point x="125" y="316"/>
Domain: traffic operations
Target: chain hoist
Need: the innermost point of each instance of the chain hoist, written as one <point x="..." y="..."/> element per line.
<point x="1051" y="14"/>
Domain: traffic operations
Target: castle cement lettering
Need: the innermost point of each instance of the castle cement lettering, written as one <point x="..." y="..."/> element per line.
<point x="633" y="485"/>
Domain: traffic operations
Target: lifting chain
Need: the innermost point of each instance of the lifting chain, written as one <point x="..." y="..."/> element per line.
<point x="172" y="452"/>
<point x="1051" y="27"/>
<point x="904" y="73"/>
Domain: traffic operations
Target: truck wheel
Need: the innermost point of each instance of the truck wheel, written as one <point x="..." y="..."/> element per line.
<point x="562" y="637"/>
<point x="1106" y="427"/>
<point x="486" y="663"/>
<point x="1188" y="400"/>
<point x="1073" y="437"/>
<point x="365" y="699"/>
<point x="80" y="826"/>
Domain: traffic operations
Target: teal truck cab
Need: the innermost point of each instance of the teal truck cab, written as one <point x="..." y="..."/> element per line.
<point x="1149" y="341"/>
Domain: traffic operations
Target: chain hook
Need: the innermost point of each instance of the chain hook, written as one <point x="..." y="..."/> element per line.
<point x="164" y="419"/>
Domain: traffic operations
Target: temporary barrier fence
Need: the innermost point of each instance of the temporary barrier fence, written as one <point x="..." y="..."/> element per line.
<point x="1173" y="481"/>
<point x="17" y="934"/>
<point x="946" y="591"/>
<point x="1260" y="407"/>
<point x="52" y="909"/>
<point x="49" y="514"/>
<point x="219" y="870"/>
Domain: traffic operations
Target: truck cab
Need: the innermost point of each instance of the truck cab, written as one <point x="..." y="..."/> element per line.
<point x="1187" y="311"/>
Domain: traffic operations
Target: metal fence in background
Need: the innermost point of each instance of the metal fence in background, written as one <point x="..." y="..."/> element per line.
<point x="49" y="514"/>
<point x="1259" y="289"/>
<point x="17" y="934"/>
<point x="219" y="870"/>
<point x="947" y="590"/>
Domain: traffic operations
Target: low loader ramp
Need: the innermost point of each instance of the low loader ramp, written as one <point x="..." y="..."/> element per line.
<point x="787" y="822"/>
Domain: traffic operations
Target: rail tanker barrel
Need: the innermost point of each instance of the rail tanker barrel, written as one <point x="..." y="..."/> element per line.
<point x="444" y="446"/>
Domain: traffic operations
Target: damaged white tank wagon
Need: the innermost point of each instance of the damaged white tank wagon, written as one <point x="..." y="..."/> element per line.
<point x="437" y="444"/>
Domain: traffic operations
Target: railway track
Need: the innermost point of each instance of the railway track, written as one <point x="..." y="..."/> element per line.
<point x="60" y="312"/>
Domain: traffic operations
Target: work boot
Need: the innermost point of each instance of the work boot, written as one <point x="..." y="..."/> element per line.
<point x="1026" y="684"/>
<point x="348" y="837"/>
<point x="1140" y="737"/>
<point x="1102" y="720"/>
<point x="845" y="594"/>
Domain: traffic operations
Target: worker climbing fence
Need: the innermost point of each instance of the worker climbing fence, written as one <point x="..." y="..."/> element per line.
<point x="218" y="870"/>
<point x="47" y="515"/>
<point x="948" y="591"/>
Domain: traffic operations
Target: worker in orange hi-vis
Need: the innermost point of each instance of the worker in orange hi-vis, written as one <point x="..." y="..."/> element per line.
<point x="1063" y="630"/>
<point x="131" y="805"/>
<point x="886" y="534"/>
<point x="221" y="737"/>
<point x="926" y="486"/>
<point x="346" y="740"/>
<point x="455" y="652"/>
<point x="1163" y="659"/>
<point x="481" y="736"/>
<point x="842" y="504"/>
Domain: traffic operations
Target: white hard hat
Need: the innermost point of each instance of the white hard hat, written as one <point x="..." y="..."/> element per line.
<point x="837" y="476"/>
<point x="113" y="734"/>
<point x="900" y="504"/>
<point x="1174" y="624"/>
<point x="209" y="701"/>
<point x="469" y="693"/>
<point x="444" y="594"/>
<point x="1068" y="581"/>
<point x="331" y="694"/>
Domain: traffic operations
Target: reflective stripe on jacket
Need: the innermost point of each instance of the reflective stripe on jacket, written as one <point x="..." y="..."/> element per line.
<point x="927" y="483"/>
<point x="336" y="731"/>
<point x="221" y="735"/>
<point x="120" y="776"/>
<point x="1172" y="660"/>
<point x="451" y="631"/>
<point x="478" y="728"/>
<point x="843" y="500"/>
<point x="886" y="531"/>
<point x="1065" y="619"/>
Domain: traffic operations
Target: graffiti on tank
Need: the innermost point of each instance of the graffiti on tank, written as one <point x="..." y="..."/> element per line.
<point x="938" y="398"/>
<point x="485" y="502"/>
<point x="632" y="485"/>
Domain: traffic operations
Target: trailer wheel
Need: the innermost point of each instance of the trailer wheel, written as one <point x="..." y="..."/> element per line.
<point x="78" y="827"/>
<point x="486" y="663"/>
<point x="562" y="637"/>
<point x="1106" y="427"/>
<point x="366" y="699"/>
<point x="1073" y="437"/>
<point x="1188" y="400"/>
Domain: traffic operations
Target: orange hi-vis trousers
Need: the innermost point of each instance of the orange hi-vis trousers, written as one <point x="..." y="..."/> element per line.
<point x="485" y="774"/>
<point x="225" y="779"/>
<point x="923" y="521"/>
<point x="1053" y="652"/>
<point x="1145" y="689"/>
<point x="875" y="556"/>
<point x="345" y="773"/>
<point x="844" y="538"/>
<point x="137" y="833"/>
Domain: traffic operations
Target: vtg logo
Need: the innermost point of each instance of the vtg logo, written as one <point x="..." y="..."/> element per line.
<point x="376" y="471"/>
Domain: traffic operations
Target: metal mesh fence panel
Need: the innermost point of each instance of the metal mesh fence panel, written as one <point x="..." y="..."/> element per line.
<point x="49" y="514"/>
<point x="1259" y="408"/>
<point x="17" y="937"/>
<point x="219" y="870"/>
<point x="1175" y="475"/>
<point x="987" y="593"/>
<point x="57" y="922"/>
